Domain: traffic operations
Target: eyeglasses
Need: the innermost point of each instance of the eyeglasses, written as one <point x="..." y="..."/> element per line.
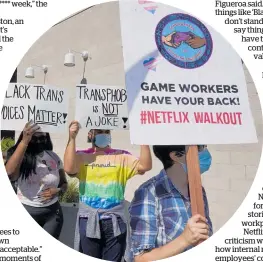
<point x="199" y="147"/>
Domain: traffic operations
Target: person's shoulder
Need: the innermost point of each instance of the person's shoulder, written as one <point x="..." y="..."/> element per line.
<point x="125" y="152"/>
<point x="85" y="151"/>
<point x="117" y="151"/>
<point x="148" y="186"/>
<point x="145" y="191"/>
<point x="151" y="184"/>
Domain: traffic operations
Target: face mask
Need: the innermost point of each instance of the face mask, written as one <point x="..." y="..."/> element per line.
<point x="205" y="160"/>
<point x="102" y="140"/>
<point x="38" y="144"/>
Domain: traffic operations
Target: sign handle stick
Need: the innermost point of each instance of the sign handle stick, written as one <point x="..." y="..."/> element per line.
<point x="195" y="183"/>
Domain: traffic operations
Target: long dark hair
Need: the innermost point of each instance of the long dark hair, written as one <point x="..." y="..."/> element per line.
<point x="28" y="165"/>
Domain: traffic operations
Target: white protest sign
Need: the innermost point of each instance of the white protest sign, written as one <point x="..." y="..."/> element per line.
<point x="45" y="105"/>
<point x="185" y="83"/>
<point x="101" y="107"/>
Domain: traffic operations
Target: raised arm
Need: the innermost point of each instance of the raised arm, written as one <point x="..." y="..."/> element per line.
<point x="72" y="161"/>
<point x="15" y="160"/>
<point x="145" y="160"/>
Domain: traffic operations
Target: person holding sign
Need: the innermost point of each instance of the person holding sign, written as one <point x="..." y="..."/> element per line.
<point x="40" y="177"/>
<point x="161" y="222"/>
<point x="103" y="172"/>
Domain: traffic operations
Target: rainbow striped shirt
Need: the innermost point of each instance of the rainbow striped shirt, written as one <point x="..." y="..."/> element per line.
<point x="103" y="176"/>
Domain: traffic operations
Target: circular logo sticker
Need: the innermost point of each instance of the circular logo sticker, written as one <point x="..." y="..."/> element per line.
<point x="184" y="41"/>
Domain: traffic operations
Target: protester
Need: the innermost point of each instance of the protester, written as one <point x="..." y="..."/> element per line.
<point x="40" y="177"/>
<point x="103" y="172"/>
<point x="162" y="225"/>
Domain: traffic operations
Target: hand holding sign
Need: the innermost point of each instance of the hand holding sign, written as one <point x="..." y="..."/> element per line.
<point x="74" y="129"/>
<point x="29" y="131"/>
<point x="196" y="230"/>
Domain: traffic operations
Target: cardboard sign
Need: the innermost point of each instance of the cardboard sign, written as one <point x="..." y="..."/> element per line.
<point x="45" y="105"/>
<point x="185" y="83"/>
<point x="101" y="107"/>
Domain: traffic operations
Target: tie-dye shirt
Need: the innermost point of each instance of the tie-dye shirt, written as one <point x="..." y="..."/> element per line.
<point x="103" y="177"/>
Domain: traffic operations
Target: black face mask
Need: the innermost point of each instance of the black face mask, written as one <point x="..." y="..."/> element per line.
<point x="38" y="143"/>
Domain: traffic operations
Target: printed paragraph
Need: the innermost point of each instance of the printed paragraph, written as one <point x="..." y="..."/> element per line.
<point x="246" y="19"/>
<point x="251" y="241"/>
<point x="9" y="252"/>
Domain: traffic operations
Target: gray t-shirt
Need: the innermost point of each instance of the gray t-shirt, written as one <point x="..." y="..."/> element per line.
<point x="47" y="175"/>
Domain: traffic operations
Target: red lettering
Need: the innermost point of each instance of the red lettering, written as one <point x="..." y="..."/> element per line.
<point x="225" y="118"/>
<point x="207" y="118"/>
<point x="150" y="117"/>
<point x="219" y="120"/>
<point x="175" y="118"/>
<point x="170" y="116"/>
<point x="198" y="117"/>
<point x="239" y="118"/>
<point x="164" y="116"/>
<point x="185" y="115"/>
<point x="157" y="117"/>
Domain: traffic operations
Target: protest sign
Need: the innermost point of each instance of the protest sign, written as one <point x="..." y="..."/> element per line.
<point x="101" y="107"/>
<point x="185" y="83"/>
<point x="45" y="105"/>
